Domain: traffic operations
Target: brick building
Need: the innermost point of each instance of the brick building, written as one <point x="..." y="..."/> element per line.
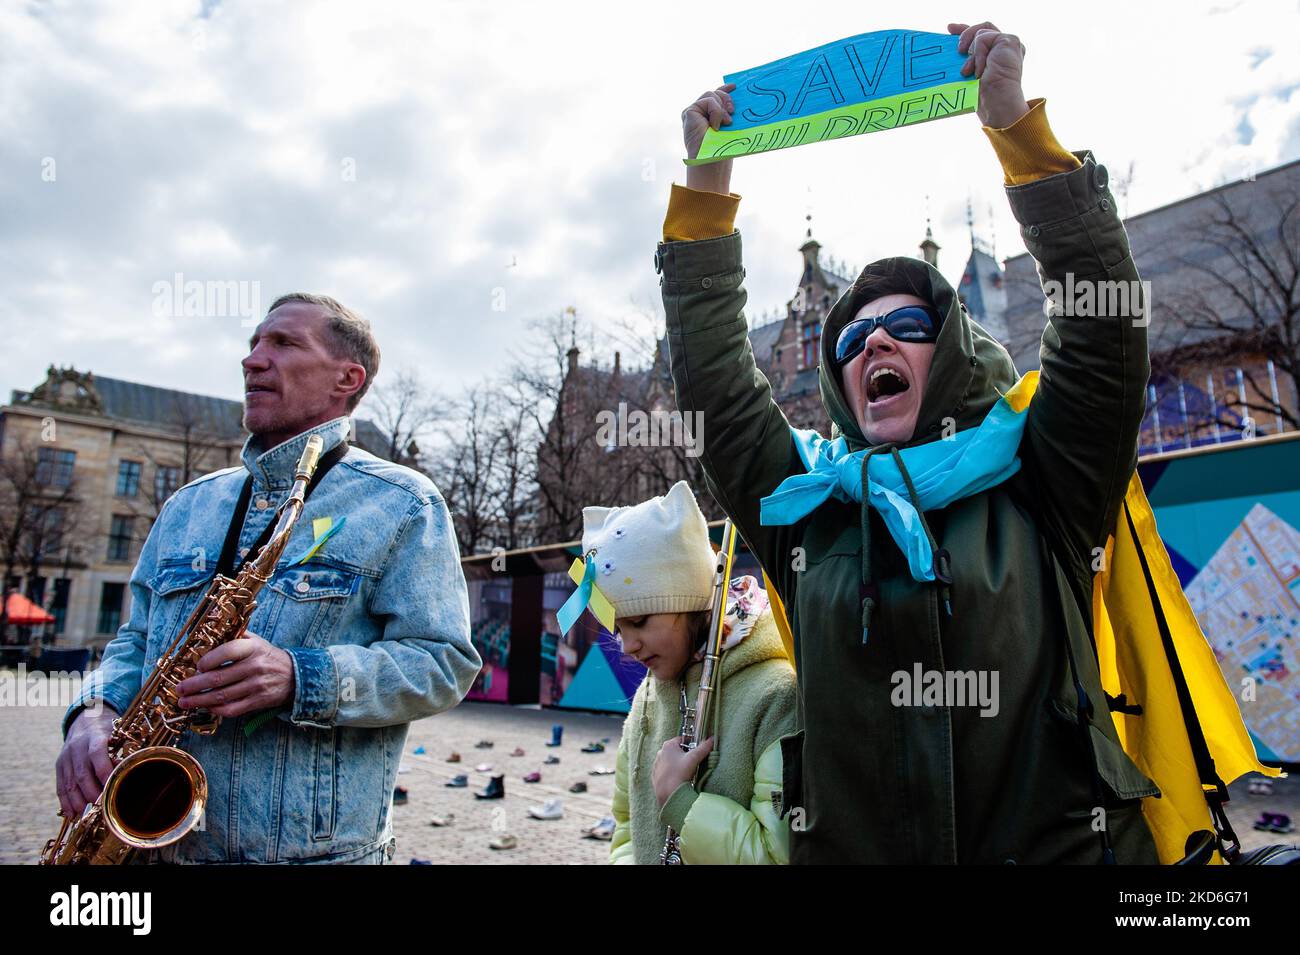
<point x="87" y="463"/>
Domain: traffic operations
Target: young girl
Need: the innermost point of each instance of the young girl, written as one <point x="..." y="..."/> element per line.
<point x="655" y="565"/>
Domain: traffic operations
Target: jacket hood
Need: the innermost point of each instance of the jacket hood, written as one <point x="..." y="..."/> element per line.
<point x="970" y="370"/>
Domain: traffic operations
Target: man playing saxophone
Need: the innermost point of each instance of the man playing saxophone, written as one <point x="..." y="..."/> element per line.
<point x="362" y="628"/>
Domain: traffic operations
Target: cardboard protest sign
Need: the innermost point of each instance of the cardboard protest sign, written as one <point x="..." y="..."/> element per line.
<point x="863" y="84"/>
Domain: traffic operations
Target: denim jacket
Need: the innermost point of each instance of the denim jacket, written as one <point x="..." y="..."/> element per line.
<point x="377" y="624"/>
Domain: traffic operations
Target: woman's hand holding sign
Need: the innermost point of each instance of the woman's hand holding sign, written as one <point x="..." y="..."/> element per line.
<point x="713" y="110"/>
<point x="997" y="59"/>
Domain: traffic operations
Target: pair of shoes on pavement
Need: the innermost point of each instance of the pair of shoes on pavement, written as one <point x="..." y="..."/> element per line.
<point x="1261" y="787"/>
<point x="551" y="809"/>
<point x="496" y="789"/>
<point x="459" y="781"/>
<point x="1278" y="822"/>
<point x="603" y="830"/>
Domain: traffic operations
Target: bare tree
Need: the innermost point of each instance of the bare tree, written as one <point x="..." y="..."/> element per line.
<point x="198" y="449"/>
<point x="468" y="477"/>
<point x="1245" y="301"/>
<point x="38" y="517"/>
<point x="407" y="412"/>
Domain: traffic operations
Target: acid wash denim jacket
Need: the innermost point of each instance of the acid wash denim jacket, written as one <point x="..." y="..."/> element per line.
<point x="377" y="624"/>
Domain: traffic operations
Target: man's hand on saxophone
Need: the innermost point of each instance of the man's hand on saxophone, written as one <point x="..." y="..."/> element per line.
<point x="83" y="763"/>
<point x="242" y="676"/>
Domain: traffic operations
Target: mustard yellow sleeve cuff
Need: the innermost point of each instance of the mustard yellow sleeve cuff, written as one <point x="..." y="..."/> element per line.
<point x="1028" y="149"/>
<point x="695" y="214"/>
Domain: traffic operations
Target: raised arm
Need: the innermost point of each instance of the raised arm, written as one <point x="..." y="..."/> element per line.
<point x="746" y="445"/>
<point x="1080" y="445"/>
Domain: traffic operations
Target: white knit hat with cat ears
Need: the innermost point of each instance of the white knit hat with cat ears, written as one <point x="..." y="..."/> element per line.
<point x="653" y="557"/>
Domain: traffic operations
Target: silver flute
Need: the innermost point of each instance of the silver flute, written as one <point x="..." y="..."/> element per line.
<point x="696" y="718"/>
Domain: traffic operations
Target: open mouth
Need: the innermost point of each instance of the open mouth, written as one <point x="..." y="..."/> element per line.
<point x="257" y="389"/>
<point x="885" y="383"/>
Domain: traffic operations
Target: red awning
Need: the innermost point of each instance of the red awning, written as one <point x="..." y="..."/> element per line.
<point x="23" y="613"/>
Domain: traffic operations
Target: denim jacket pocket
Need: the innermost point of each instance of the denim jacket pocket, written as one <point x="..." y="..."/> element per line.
<point x="177" y="588"/>
<point x="306" y="602"/>
<point x="325" y="748"/>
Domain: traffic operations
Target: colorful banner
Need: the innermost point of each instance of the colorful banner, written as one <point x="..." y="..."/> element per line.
<point x="864" y="84"/>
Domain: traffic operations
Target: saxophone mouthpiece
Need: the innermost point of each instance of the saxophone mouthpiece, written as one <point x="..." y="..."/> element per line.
<point x="310" y="457"/>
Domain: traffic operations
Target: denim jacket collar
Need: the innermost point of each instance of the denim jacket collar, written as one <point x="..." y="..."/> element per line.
<point x="275" y="468"/>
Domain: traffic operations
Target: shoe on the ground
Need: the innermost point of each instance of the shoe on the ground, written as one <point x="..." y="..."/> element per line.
<point x="496" y="789"/>
<point x="551" y="760"/>
<point x="506" y="841"/>
<point x="518" y="751"/>
<point x="484" y="744"/>
<point x="601" y="771"/>
<point x="594" y="747"/>
<point x="415" y="861"/>
<point x="483" y="768"/>
<point x="557" y="734"/>
<point x="1281" y="823"/>
<point x="578" y="787"/>
<point x="533" y="777"/>
<point x="418" y="751"/>
<point x="458" y="782"/>
<point x="551" y="809"/>
<point x="603" y="830"/>
<point x="402" y="768"/>
<point x="441" y="821"/>
<point x="400" y="796"/>
<point x="1265" y="821"/>
<point x="454" y="757"/>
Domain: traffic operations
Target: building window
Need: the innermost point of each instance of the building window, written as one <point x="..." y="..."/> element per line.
<point x="128" y="478"/>
<point x="110" y="608"/>
<point x="59" y="605"/>
<point x="165" y="482"/>
<point x="810" y="337"/>
<point x="119" y="537"/>
<point x="54" y="467"/>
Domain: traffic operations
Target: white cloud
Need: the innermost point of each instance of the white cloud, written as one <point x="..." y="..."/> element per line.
<point x="507" y="146"/>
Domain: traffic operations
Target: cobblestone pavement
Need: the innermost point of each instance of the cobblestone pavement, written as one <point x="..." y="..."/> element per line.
<point x="29" y="743"/>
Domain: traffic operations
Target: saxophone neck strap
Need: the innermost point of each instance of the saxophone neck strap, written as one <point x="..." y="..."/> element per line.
<point x="226" y="565"/>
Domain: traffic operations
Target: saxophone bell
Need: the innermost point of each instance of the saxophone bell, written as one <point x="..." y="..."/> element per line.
<point x="154" y="797"/>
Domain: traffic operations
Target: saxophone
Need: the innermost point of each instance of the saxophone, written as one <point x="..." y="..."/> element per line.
<point x="696" y="718"/>
<point x="156" y="792"/>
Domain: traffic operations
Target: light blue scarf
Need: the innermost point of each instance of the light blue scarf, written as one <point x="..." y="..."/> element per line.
<point x="942" y="471"/>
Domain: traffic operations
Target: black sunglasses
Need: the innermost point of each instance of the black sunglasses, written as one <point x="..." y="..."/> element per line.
<point x="911" y="323"/>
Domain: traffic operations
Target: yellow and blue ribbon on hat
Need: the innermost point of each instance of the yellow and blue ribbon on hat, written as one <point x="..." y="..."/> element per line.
<point x="587" y="597"/>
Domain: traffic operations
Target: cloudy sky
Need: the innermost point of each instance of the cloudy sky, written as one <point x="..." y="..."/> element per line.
<point x="456" y="169"/>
